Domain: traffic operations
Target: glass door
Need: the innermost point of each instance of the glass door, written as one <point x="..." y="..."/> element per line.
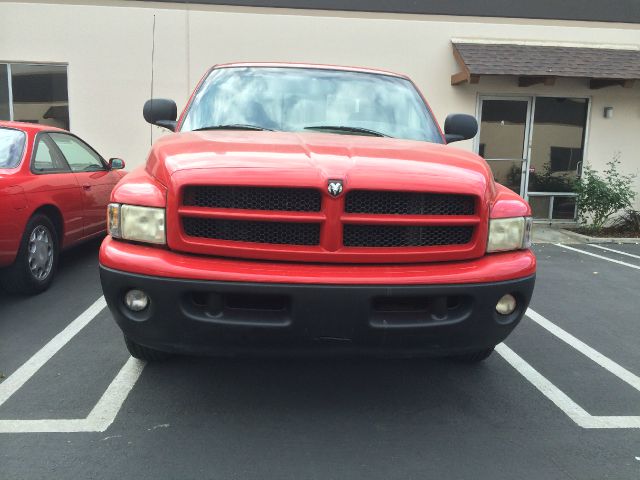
<point x="556" y="155"/>
<point x="504" y="139"/>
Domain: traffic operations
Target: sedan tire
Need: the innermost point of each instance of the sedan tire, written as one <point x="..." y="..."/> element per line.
<point x="37" y="259"/>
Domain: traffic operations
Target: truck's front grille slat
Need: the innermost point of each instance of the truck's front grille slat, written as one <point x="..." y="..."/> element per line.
<point x="405" y="236"/>
<point x="408" y="203"/>
<point x="253" y="198"/>
<point x="281" y="233"/>
<point x="359" y="226"/>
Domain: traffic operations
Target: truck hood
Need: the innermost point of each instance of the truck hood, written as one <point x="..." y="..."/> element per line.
<point x="311" y="159"/>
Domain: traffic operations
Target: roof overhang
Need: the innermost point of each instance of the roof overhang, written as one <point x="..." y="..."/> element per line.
<point x="535" y="64"/>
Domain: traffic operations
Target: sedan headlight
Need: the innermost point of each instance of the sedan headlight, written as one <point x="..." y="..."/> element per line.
<point x="139" y="224"/>
<point x="509" y="234"/>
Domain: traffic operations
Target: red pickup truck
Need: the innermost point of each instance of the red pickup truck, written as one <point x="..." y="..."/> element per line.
<point x="313" y="209"/>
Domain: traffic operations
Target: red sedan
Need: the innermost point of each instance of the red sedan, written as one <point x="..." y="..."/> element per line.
<point x="54" y="191"/>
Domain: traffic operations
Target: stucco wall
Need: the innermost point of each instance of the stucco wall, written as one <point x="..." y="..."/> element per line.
<point x="108" y="48"/>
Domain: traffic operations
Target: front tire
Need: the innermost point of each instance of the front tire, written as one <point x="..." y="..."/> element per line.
<point x="145" y="353"/>
<point x="37" y="259"/>
<point x="474" y="357"/>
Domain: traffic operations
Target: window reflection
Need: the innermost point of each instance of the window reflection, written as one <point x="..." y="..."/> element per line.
<point x="557" y="143"/>
<point x="540" y="206"/>
<point x="5" y="112"/>
<point x="507" y="172"/>
<point x="564" y="208"/>
<point x="292" y="99"/>
<point x="502" y="128"/>
<point x="40" y="94"/>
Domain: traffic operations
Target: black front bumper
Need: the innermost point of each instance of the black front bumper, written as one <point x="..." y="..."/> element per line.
<point x="209" y="317"/>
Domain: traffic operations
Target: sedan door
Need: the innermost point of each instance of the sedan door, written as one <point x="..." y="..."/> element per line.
<point x="51" y="181"/>
<point x="94" y="177"/>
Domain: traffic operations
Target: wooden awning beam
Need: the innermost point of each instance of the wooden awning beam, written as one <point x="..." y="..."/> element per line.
<point x="464" y="75"/>
<point x="535" y="80"/>
<point x="596" y="83"/>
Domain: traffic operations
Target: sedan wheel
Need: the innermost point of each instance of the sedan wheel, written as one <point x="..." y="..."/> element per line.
<point x="37" y="259"/>
<point x="40" y="256"/>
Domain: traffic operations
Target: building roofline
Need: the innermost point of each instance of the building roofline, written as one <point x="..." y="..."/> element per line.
<point x="617" y="11"/>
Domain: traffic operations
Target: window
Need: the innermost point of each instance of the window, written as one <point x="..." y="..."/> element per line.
<point x="503" y="127"/>
<point x="34" y="93"/>
<point x="565" y="159"/>
<point x="11" y="147"/>
<point x="47" y="158"/>
<point x="5" y="110"/>
<point x="79" y="156"/>
<point x="294" y="99"/>
<point x="557" y="143"/>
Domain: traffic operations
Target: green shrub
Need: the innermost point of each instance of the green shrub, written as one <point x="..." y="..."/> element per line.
<point x="600" y="196"/>
<point x="629" y="221"/>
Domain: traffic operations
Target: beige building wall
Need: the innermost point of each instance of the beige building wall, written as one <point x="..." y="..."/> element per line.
<point x="107" y="45"/>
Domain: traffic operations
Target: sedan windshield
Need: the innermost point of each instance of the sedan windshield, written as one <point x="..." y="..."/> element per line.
<point x="306" y="99"/>
<point x="11" y="147"/>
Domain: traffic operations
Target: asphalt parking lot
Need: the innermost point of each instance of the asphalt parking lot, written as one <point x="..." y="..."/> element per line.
<point x="559" y="400"/>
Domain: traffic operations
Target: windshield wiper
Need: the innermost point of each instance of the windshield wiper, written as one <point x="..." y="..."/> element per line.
<point x="233" y="126"/>
<point x="343" y="128"/>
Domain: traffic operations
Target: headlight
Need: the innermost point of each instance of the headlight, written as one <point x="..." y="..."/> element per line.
<point x="139" y="224"/>
<point x="509" y="234"/>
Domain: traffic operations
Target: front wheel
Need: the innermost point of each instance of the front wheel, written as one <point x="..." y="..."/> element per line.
<point x="37" y="259"/>
<point x="476" y="356"/>
<point x="145" y="353"/>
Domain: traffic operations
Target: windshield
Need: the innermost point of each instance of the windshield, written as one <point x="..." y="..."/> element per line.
<point x="306" y="99"/>
<point x="11" y="147"/>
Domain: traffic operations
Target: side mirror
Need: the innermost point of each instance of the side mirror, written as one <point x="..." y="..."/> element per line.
<point x="161" y="112"/>
<point x="460" y="126"/>
<point x="116" y="164"/>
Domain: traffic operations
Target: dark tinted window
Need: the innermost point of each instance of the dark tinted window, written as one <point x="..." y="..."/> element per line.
<point x="11" y="147"/>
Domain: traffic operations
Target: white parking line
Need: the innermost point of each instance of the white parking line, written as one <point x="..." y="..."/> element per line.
<point x="613" y="260"/>
<point x="548" y="389"/>
<point x="605" y="362"/>
<point x="614" y="251"/>
<point x="18" y="378"/>
<point x="100" y="417"/>
<point x="104" y="412"/>
<point x="557" y="396"/>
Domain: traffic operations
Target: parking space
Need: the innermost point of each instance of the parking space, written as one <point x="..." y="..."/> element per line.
<point x="561" y="399"/>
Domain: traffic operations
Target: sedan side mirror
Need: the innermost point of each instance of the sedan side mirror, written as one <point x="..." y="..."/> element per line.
<point x="460" y="126"/>
<point x="161" y="112"/>
<point x="116" y="164"/>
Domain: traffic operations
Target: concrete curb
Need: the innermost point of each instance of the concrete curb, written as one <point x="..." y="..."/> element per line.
<point x="587" y="239"/>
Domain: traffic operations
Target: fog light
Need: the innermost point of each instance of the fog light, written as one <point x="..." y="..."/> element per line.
<point x="136" y="300"/>
<point x="506" y="305"/>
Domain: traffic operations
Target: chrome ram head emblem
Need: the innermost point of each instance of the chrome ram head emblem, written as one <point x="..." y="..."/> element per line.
<point x="335" y="187"/>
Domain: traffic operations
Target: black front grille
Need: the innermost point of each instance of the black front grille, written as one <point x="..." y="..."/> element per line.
<point x="404" y="236"/>
<point x="408" y="203"/>
<point x="253" y="198"/>
<point x="255" y="232"/>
